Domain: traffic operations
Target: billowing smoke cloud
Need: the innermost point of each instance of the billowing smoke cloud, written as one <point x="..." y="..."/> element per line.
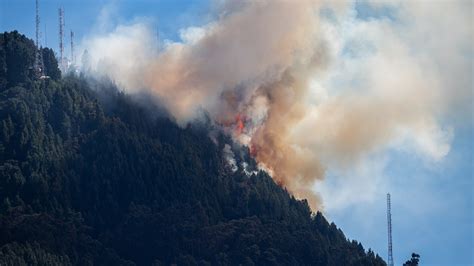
<point x="306" y="84"/>
<point x="122" y="54"/>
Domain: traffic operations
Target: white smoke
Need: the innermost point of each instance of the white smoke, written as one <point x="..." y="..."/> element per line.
<point x="309" y="85"/>
<point x="229" y="156"/>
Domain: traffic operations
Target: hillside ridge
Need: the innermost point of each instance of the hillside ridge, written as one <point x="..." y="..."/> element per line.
<point x="89" y="175"/>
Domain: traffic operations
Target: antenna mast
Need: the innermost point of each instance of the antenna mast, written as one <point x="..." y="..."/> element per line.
<point x="389" y="226"/>
<point x="39" y="66"/>
<point x="37" y="23"/>
<point x="45" y="36"/>
<point x="73" y="59"/>
<point x="61" y="38"/>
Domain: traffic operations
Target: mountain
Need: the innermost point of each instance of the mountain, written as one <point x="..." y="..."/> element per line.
<point x="90" y="175"/>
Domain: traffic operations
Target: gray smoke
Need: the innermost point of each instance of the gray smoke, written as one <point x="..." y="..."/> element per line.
<point x="307" y="83"/>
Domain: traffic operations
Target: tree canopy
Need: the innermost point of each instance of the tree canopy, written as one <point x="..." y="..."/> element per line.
<point x="413" y="261"/>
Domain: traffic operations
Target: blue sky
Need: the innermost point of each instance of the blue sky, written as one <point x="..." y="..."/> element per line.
<point x="81" y="16"/>
<point x="432" y="208"/>
<point x="432" y="200"/>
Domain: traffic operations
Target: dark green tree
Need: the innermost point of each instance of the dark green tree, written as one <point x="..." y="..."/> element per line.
<point x="413" y="261"/>
<point x="51" y="64"/>
<point x="17" y="55"/>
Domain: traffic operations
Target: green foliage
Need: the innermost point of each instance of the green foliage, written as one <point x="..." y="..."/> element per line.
<point x="29" y="254"/>
<point x="413" y="261"/>
<point x="50" y="64"/>
<point x="88" y="179"/>
<point x="17" y="55"/>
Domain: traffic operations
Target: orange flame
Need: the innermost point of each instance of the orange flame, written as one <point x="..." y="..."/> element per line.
<point x="239" y="124"/>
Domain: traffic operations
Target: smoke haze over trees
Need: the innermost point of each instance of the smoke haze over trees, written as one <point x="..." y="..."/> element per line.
<point x="310" y="84"/>
<point x="89" y="176"/>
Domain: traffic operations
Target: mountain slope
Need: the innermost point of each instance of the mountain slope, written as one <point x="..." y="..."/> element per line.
<point x="88" y="176"/>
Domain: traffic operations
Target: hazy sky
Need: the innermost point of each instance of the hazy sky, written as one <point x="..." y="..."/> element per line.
<point x="432" y="196"/>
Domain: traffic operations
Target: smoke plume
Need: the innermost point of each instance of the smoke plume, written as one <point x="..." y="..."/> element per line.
<point x="303" y="84"/>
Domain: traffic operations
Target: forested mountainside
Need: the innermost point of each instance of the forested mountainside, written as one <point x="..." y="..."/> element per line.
<point x="90" y="176"/>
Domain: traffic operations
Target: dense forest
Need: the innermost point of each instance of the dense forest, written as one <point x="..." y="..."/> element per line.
<point x="90" y="175"/>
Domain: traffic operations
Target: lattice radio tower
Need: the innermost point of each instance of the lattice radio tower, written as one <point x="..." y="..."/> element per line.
<point x="389" y="227"/>
<point x="39" y="65"/>
<point x="73" y="58"/>
<point x="61" y="38"/>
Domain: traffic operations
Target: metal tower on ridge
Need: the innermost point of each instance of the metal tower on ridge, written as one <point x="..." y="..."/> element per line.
<point x="62" y="64"/>
<point x="73" y="58"/>
<point x="45" y="37"/>
<point x="37" y="24"/>
<point x="389" y="227"/>
<point x="39" y="65"/>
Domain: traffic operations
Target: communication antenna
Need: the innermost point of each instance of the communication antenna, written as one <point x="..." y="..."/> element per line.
<point x="61" y="38"/>
<point x="45" y="36"/>
<point x="39" y="65"/>
<point x="389" y="227"/>
<point x="73" y="58"/>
